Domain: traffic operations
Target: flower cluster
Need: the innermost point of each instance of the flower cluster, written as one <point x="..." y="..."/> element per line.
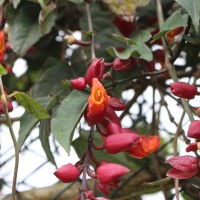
<point x="186" y="166"/>
<point x="100" y="112"/>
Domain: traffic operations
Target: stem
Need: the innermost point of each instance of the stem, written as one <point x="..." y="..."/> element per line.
<point x="89" y="18"/>
<point x="3" y="99"/>
<point x="168" y="64"/>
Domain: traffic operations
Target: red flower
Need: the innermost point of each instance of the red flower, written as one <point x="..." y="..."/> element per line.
<point x="95" y="70"/>
<point x="193" y="146"/>
<point x="126" y="28"/>
<point x="145" y="146"/>
<point x="123" y="65"/>
<point x="120" y="142"/>
<point x="183" y="90"/>
<point x="97" y="103"/>
<point x="116" y="104"/>
<point x="78" y="83"/>
<point x="113" y="128"/>
<point x="194" y="129"/>
<point x="2" y="46"/>
<point x="183" y="167"/>
<point x="110" y="172"/>
<point x="171" y="34"/>
<point x="67" y="173"/>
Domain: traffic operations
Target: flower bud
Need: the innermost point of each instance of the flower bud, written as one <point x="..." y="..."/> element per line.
<point x="78" y="83"/>
<point x="192" y="147"/>
<point x="2" y="46"/>
<point x="183" y="167"/>
<point x="113" y="128"/>
<point x="116" y="104"/>
<point x="109" y="172"/>
<point x="95" y="70"/>
<point x="120" y="142"/>
<point x="67" y="173"/>
<point x="183" y="90"/>
<point x="194" y="129"/>
<point x="89" y="194"/>
<point x="103" y="188"/>
<point x="123" y="65"/>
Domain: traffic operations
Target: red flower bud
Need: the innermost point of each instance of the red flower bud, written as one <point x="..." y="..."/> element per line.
<point x="110" y="172"/>
<point x="194" y="129"/>
<point x="111" y="116"/>
<point x="116" y="104"/>
<point x="2" y="46"/>
<point x="183" y="90"/>
<point x="113" y="128"/>
<point x="192" y="147"/>
<point x="103" y="188"/>
<point x="183" y="167"/>
<point x="125" y="27"/>
<point x="67" y="173"/>
<point x="78" y="83"/>
<point x="123" y="65"/>
<point x="95" y="70"/>
<point x="120" y="142"/>
<point x="89" y="194"/>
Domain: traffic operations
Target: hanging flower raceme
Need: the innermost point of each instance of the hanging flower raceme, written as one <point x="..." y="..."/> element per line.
<point x="95" y="70"/>
<point x="2" y="46"/>
<point x="108" y="174"/>
<point x="183" y="90"/>
<point x="67" y="173"/>
<point x="183" y="167"/>
<point x="98" y="103"/>
<point x="145" y="146"/>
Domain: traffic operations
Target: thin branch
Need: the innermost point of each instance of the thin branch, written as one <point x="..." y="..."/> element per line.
<point x="90" y="26"/>
<point x="3" y="99"/>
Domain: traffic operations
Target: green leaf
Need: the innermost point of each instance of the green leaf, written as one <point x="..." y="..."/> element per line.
<point x="2" y="70"/>
<point x="140" y="36"/>
<point x="44" y="138"/>
<point x="80" y="145"/>
<point x="24" y="26"/>
<point x="31" y="105"/>
<point x="28" y="121"/>
<point x="50" y="80"/>
<point x="193" y="9"/>
<point x="47" y="17"/>
<point x="177" y="19"/>
<point x="138" y="50"/>
<point x="67" y="117"/>
<point x="77" y="1"/>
